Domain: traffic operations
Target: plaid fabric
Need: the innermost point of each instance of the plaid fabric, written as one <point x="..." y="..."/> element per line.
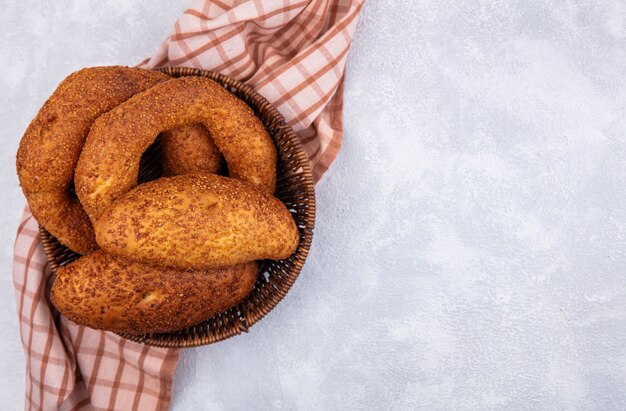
<point x="72" y="367"/>
<point x="293" y="53"/>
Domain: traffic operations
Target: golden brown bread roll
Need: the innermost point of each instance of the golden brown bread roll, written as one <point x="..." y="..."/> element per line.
<point x="52" y="143"/>
<point x="197" y="221"/>
<point x="109" y="163"/>
<point x="112" y="293"/>
<point x="189" y="150"/>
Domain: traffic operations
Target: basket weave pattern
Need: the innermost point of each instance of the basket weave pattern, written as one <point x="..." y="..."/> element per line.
<point x="294" y="187"/>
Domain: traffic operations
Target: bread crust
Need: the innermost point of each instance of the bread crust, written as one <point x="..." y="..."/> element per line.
<point x="109" y="163"/>
<point x="51" y="146"/>
<point x="189" y="150"/>
<point x="113" y="293"/>
<point x="197" y="221"/>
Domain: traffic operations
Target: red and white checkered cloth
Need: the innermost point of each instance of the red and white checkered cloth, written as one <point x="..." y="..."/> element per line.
<point x="71" y="367"/>
<point x="292" y="52"/>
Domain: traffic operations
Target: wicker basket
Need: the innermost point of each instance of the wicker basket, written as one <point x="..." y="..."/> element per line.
<point x="294" y="188"/>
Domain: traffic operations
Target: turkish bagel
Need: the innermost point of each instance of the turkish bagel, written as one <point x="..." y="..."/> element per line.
<point x="189" y="150"/>
<point x="113" y="293"/>
<point x="51" y="146"/>
<point x="109" y="163"/>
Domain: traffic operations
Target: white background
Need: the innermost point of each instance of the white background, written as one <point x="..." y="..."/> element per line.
<point x="471" y="236"/>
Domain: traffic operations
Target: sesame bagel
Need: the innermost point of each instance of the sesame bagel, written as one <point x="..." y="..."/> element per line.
<point x="112" y="293"/>
<point x="189" y="150"/>
<point x="197" y="221"/>
<point x="109" y="163"/>
<point x="50" y="148"/>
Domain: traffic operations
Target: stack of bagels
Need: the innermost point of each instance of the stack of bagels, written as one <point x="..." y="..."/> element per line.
<point x="170" y="253"/>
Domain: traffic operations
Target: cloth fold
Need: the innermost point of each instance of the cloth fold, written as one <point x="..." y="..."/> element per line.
<point x="74" y="367"/>
<point x="293" y="53"/>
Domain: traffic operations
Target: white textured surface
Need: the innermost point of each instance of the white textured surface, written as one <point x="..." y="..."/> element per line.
<point x="470" y="243"/>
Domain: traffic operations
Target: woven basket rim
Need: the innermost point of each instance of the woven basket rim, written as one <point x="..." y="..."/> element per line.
<point x="240" y="318"/>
